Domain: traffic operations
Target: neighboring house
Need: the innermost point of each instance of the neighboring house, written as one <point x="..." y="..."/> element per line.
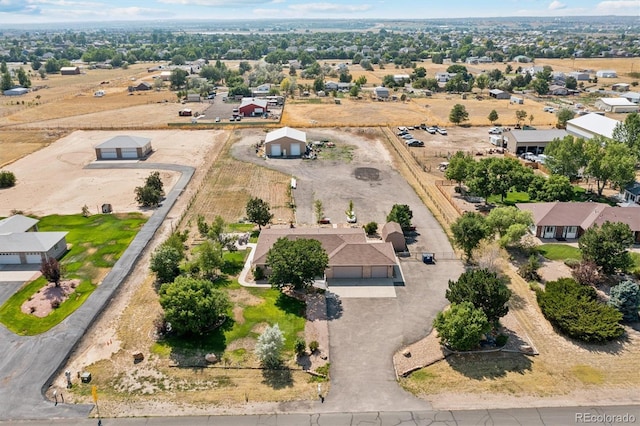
<point x="350" y="255"/>
<point x="330" y="86"/>
<point x="381" y="92"/>
<point x="124" y="148"/>
<point x="16" y="91"/>
<point x="606" y="74"/>
<point x="567" y="220"/>
<point x="251" y="107"/>
<point x="193" y="97"/>
<point x="69" y="70"/>
<point x="590" y="125"/>
<point x="21" y="243"/>
<point x="631" y="97"/>
<point x="558" y="90"/>
<point x="522" y="59"/>
<point x="165" y="75"/>
<point x="400" y="78"/>
<point x="631" y="193"/>
<point x="443" y="77"/>
<point x="616" y="105"/>
<point x="262" y="90"/>
<point x="392" y="233"/>
<point x="499" y="94"/>
<point x="621" y="87"/>
<point x="534" y="141"/>
<point x="285" y="142"/>
<point x="142" y="86"/>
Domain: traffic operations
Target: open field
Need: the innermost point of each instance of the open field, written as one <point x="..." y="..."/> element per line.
<point x="53" y="179"/>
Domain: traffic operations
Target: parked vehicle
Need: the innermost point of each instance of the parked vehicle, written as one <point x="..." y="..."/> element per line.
<point x="407" y="136"/>
<point x="495" y="131"/>
<point x="441" y="131"/>
<point x="415" y="142"/>
<point x="431" y="130"/>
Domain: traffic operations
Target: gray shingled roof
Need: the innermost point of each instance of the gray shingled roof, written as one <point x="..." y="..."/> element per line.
<point x="16" y="223"/>
<point x="528" y="136"/>
<point x="26" y="242"/>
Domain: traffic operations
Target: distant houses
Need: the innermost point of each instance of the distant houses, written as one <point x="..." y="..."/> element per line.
<point x="70" y="70"/>
<point x="606" y="74"/>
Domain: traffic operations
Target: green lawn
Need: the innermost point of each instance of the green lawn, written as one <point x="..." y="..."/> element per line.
<point x="97" y="242"/>
<point x="560" y="252"/>
<point x="240" y="227"/>
<point x="511" y="198"/>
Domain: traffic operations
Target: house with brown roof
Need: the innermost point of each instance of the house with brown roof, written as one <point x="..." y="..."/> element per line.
<point x="568" y="220"/>
<point x="350" y="254"/>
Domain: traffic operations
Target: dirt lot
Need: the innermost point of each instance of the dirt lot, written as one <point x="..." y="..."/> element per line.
<point x="53" y="179"/>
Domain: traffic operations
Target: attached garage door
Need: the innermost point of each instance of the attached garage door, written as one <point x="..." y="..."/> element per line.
<point x="347" y="272"/>
<point x="34" y="258"/>
<point x="295" y="149"/>
<point x="258" y="111"/>
<point x="9" y="259"/>
<point x="129" y="153"/>
<point x="378" y="272"/>
<point x="109" y="153"/>
<point x="276" y="150"/>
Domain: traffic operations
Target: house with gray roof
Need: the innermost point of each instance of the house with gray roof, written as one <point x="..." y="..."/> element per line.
<point x="350" y="254"/>
<point x="21" y="243"/>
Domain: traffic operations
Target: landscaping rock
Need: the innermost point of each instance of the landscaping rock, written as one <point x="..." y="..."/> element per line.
<point x="406" y="353"/>
<point x="138" y="356"/>
<point x="211" y="358"/>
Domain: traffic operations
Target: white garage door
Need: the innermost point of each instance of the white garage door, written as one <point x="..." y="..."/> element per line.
<point x="9" y="259"/>
<point x="295" y="149"/>
<point x="258" y="111"/>
<point x="347" y="272"/>
<point x="109" y="153"/>
<point x="275" y="150"/>
<point x="34" y="258"/>
<point x="129" y="153"/>
<point x="378" y="272"/>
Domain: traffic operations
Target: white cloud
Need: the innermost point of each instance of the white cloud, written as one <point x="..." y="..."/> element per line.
<point x="329" y="7"/>
<point x="556" y="5"/>
<point x="617" y="6"/>
<point x="218" y="3"/>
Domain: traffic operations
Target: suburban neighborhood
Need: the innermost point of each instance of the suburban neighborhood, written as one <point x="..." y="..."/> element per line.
<point x="331" y="218"/>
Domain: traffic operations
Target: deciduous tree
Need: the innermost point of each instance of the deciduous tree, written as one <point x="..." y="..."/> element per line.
<point x="193" y="306"/>
<point x="468" y="230"/>
<point x="401" y="214"/>
<point x="608" y="246"/>
<point x="458" y="114"/>
<point x="165" y="262"/>
<point x="51" y="270"/>
<point x="258" y="212"/>
<point x="296" y="263"/>
<point x="566" y="156"/>
<point x="461" y="326"/>
<point x="269" y="347"/>
<point x="493" y="116"/>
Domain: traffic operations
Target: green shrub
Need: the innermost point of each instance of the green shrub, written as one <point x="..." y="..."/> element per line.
<point x="572" y="263"/>
<point x="529" y="269"/>
<point x="299" y="346"/>
<point x="501" y="340"/>
<point x="258" y="273"/>
<point x="314" y="346"/>
<point x="575" y="310"/>
<point x="371" y="228"/>
<point x="7" y="179"/>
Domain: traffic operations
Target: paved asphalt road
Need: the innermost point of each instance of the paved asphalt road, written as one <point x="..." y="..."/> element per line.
<point x="560" y="416"/>
<point x="29" y="363"/>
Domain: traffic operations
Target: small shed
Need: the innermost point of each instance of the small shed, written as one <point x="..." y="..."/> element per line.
<point x="194" y="97"/>
<point x="69" y="70"/>
<point x="516" y="100"/>
<point x="499" y="94"/>
<point x="124" y="148"/>
<point x="285" y="142"/>
<point x="392" y="233"/>
<point x="621" y="87"/>
<point x="381" y="92"/>
<point x="607" y="74"/>
<point x="16" y="91"/>
<point x="142" y="86"/>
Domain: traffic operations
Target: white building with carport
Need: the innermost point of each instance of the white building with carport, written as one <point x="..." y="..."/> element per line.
<point x="616" y="105"/>
<point x="124" y="147"/>
<point x="590" y="125"/>
<point x="285" y="142"/>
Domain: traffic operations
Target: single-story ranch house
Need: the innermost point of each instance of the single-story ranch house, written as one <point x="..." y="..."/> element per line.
<point x="252" y="107"/>
<point x="21" y="243"/>
<point x="124" y="148"/>
<point x="285" y="142"/>
<point x="350" y="254"/>
<point x="534" y="141"/>
<point x="567" y="220"/>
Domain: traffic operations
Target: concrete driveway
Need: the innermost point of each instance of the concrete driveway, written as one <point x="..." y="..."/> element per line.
<point x="365" y="332"/>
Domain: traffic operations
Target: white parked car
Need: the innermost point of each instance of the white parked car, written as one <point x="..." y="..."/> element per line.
<point x="441" y="131"/>
<point x="495" y="131"/>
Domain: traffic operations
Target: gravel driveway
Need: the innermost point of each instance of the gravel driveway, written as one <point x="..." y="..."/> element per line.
<point x="364" y="333"/>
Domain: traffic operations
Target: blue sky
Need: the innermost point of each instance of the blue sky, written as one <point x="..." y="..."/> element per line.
<point x="43" y="11"/>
